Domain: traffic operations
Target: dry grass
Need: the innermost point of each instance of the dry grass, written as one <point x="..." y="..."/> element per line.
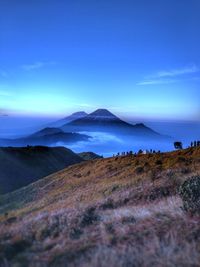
<point x="104" y="213"/>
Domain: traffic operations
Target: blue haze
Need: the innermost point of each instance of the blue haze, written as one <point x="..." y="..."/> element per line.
<point x="107" y="144"/>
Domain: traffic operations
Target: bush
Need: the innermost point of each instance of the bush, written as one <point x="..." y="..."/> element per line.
<point x="139" y="170"/>
<point x="89" y="217"/>
<point x="158" y="162"/>
<point x="189" y="191"/>
<point x="108" y="204"/>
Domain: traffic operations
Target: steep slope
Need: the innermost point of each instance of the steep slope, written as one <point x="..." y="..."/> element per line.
<point x="22" y="166"/>
<point x="107" y="212"/>
<point x="104" y="121"/>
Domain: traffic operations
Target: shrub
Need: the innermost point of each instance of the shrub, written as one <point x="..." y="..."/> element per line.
<point x="158" y="162"/>
<point x="159" y="192"/>
<point x="139" y="170"/>
<point x="11" y="220"/>
<point x="181" y="159"/>
<point x="185" y="170"/>
<point x="13" y="249"/>
<point x="75" y="233"/>
<point x="189" y="191"/>
<point x="89" y="217"/>
<point x="109" y="204"/>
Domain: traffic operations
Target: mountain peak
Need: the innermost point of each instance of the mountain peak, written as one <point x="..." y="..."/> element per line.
<point x="102" y="120"/>
<point x="102" y="113"/>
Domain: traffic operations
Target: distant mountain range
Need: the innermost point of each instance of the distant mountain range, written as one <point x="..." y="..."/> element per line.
<point x="22" y="166"/>
<point x="103" y="120"/>
<point x="69" y="130"/>
<point x="47" y="137"/>
<point x="74" y="116"/>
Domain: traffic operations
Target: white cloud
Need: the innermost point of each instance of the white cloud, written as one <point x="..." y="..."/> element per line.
<point x="36" y="65"/>
<point x="177" y="72"/>
<point x="159" y="81"/>
<point x="85" y="105"/>
<point x="170" y="76"/>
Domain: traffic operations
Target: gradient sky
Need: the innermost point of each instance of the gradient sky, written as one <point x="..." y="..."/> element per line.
<point x="138" y="58"/>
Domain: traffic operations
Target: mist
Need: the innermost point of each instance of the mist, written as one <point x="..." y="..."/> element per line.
<point x="106" y="144"/>
<point x="17" y="126"/>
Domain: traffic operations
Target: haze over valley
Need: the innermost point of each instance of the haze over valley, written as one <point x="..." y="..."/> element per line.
<point x="106" y="140"/>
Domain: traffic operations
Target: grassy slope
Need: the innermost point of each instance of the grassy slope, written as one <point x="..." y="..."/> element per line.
<point x="105" y="212"/>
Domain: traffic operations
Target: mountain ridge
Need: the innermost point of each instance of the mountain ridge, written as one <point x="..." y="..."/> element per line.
<point x="46" y="137"/>
<point x="73" y="116"/>
<point x="104" y="120"/>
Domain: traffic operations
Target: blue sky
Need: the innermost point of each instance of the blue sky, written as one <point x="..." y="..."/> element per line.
<point x="138" y="58"/>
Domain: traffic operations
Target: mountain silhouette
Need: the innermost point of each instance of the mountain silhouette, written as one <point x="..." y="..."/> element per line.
<point x="47" y="131"/>
<point x="72" y="117"/>
<point x="102" y="120"/>
<point x="46" y="137"/>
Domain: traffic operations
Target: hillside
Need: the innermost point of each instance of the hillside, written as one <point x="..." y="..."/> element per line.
<point x="22" y="166"/>
<point x="120" y="211"/>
